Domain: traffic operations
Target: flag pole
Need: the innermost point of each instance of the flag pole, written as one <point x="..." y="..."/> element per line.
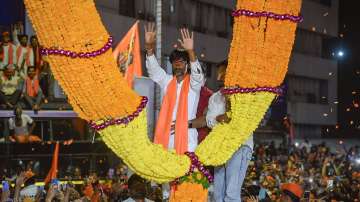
<point x="131" y="47"/>
<point x="158" y="14"/>
<point x="158" y="29"/>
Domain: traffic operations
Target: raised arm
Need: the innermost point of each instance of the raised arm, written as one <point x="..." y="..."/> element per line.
<point x="197" y="76"/>
<point x="156" y="73"/>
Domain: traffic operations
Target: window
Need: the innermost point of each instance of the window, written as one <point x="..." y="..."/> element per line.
<point x="323" y="2"/>
<point x="140" y="9"/>
<point x="145" y="9"/>
<point x="307" y="131"/>
<point x="127" y="8"/>
<point x="307" y="90"/>
<point x="314" y="44"/>
<point x="308" y="42"/>
<point x="200" y="16"/>
<point x="197" y="15"/>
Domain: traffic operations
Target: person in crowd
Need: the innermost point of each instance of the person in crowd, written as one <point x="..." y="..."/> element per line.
<point x="307" y="145"/>
<point x="229" y="177"/>
<point x="202" y="129"/>
<point x="137" y="189"/>
<point x="24" y="55"/>
<point x="255" y="193"/>
<point x="8" y="54"/>
<point x="42" y="67"/>
<point x="32" y="92"/>
<point x="34" y="44"/>
<point x="10" y="86"/>
<point x="17" y="29"/>
<point x="288" y="130"/>
<point x="181" y="92"/>
<point x="21" y="127"/>
<point x="291" y="192"/>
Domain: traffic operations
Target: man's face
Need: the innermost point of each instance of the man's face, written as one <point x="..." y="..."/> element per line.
<point x="9" y="72"/>
<point x="31" y="73"/>
<point x="6" y="39"/>
<point x="34" y="42"/>
<point x="179" y="67"/>
<point x="23" y="41"/>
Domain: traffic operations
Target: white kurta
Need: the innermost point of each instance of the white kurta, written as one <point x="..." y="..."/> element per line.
<point x="22" y="56"/>
<point x="158" y="75"/>
<point x="6" y="55"/>
<point x="216" y="107"/>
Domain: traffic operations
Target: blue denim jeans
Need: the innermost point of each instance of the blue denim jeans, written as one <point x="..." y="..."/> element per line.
<point x="230" y="177"/>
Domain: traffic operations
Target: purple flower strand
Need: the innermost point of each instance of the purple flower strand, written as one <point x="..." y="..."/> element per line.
<point x="67" y="53"/>
<point x="195" y="163"/>
<point x="119" y="121"/>
<point x="248" y="13"/>
<point x="235" y="90"/>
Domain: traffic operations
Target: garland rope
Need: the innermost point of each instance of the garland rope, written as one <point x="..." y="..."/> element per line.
<point x="259" y="56"/>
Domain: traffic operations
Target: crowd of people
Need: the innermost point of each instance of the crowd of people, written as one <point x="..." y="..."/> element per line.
<point x="324" y="175"/>
<point x="25" y="82"/>
<point x="116" y="185"/>
<point x="23" y="72"/>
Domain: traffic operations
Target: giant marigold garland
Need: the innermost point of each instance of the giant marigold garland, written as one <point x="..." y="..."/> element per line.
<point x="259" y="56"/>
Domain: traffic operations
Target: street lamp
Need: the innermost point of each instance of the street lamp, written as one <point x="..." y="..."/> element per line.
<point x="340" y="53"/>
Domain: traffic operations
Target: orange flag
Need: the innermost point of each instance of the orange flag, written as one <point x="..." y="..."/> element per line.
<point x="127" y="54"/>
<point x="54" y="165"/>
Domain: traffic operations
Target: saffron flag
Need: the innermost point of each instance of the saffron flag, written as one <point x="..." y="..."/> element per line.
<point x="127" y="55"/>
<point x="54" y="165"/>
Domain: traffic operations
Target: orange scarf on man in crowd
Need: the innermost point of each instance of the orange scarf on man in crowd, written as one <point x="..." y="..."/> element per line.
<point x="9" y="53"/>
<point x="32" y="87"/>
<point x="163" y="126"/>
<point x="19" y="51"/>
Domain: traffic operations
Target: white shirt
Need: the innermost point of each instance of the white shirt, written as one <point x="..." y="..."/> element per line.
<point x="23" y="54"/>
<point x="158" y="75"/>
<point x="6" y="55"/>
<point x="216" y="107"/>
<point x="24" y="128"/>
<point x="307" y="146"/>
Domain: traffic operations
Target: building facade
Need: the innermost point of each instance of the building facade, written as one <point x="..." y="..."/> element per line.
<point x="313" y="71"/>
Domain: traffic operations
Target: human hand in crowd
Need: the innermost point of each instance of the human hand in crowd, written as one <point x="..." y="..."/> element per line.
<point x="150" y="37"/>
<point x="187" y="39"/>
<point x="53" y="192"/>
<point x="21" y="179"/>
<point x="38" y="195"/>
<point x="67" y="193"/>
<point x="5" y="193"/>
<point x="36" y="107"/>
<point x="252" y="199"/>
